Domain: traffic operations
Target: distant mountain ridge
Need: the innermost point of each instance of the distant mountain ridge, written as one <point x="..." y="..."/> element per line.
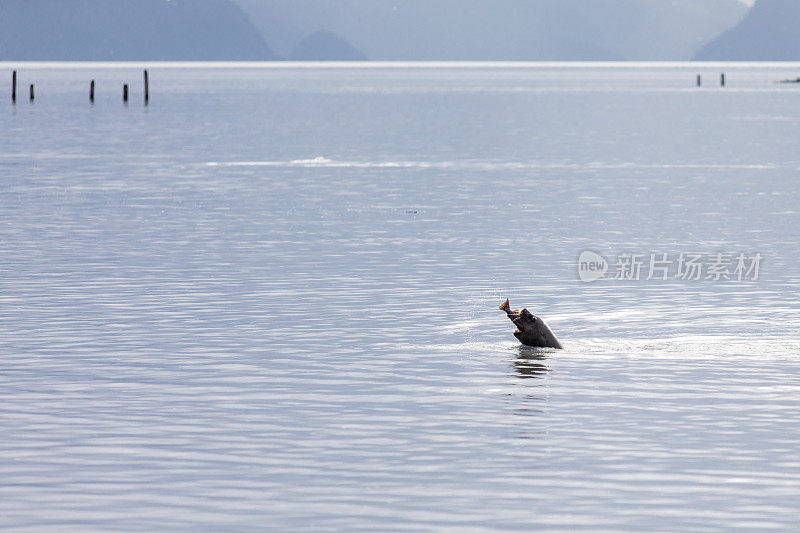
<point x="124" y="30"/>
<point x="186" y="30"/>
<point x="501" y="29"/>
<point x="325" y="46"/>
<point x="769" y="32"/>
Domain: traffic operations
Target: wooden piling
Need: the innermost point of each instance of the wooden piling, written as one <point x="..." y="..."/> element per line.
<point x="146" y="88"/>
<point x="125" y="93"/>
<point x="14" y="87"/>
<point x="699" y="80"/>
<point x="722" y="80"/>
<point x="32" y="96"/>
<point x="91" y="92"/>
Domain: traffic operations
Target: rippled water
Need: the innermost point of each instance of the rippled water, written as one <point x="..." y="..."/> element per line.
<point x="269" y="299"/>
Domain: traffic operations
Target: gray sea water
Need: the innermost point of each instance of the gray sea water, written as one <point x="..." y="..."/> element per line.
<point x="269" y="299"/>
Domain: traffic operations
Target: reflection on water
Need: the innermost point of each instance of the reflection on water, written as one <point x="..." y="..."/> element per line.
<point x="528" y="401"/>
<point x="531" y="362"/>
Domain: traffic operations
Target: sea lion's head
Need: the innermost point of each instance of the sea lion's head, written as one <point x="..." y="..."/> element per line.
<point x="531" y="329"/>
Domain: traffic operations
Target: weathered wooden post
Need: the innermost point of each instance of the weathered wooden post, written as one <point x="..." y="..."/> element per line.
<point x="32" y="96"/>
<point x="146" y="88"/>
<point x="14" y="87"/>
<point x="722" y="80"/>
<point x="125" y="93"/>
<point x="699" y="80"/>
<point x="91" y="92"/>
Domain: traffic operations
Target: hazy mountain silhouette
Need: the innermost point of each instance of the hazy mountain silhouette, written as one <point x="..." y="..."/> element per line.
<point x="325" y="46"/>
<point x="769" y="32"/>
<point x="120" y="30"/>
<point x="501" y="29"/>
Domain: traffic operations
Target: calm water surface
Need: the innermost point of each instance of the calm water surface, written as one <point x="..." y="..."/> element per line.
<point x="269" y="300"/>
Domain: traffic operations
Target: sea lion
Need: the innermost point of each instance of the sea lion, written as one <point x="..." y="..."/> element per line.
<point x="531" y="330"/>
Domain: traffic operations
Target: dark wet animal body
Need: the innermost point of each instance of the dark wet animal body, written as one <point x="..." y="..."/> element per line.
<point x="531" y="330"/>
